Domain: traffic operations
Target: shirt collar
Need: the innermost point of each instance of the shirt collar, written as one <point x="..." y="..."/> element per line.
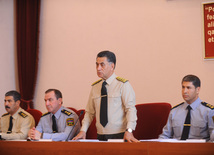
<point x="195" y="104"/>
<point x="16" y="114"/>
<point x="58" y="113"/>
<point x="110" y="79"/>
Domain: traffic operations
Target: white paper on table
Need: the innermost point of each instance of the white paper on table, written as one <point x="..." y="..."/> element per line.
<point x="85" y="140"/>
<point x="176" y="140"/>
<point x="116" y="140"/>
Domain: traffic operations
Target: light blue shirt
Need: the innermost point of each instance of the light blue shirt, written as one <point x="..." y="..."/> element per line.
<point x="202" y="124"/>
<point x="65" y="119"/>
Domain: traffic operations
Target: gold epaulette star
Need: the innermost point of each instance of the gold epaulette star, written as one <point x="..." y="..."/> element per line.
<point x="96" y="82"/>
<point x="22" y="114"/>
<point x="45" y="114"/>
<point x="5" y="114"/>
<point x="177" y="105"/>
<point x="207" y="105"/>
<point x="121" y="79"/>
<point x="68" y="113"/>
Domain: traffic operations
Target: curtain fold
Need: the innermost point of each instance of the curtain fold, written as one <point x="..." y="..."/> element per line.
<point x="27" y="37"/>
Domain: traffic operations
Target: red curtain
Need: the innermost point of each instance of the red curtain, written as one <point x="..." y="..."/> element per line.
<point x="27" y="33"/>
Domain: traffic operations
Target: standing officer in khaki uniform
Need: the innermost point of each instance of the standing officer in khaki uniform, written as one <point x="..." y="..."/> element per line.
<point x="112" y="101"/>
<point x="16" y="123"/>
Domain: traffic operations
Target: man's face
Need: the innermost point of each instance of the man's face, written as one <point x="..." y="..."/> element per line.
<point x="10" y="105"/>
<point x="52" y="103"/>
<point x="189" y="92"/>
<point x="104" y="68"/>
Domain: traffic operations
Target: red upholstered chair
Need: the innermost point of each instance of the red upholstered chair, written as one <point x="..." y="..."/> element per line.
<point x="36" y="115"/>
<point x="152" y="117"/>
<point x="75" y="110"/>
<point x="92" y="130"/>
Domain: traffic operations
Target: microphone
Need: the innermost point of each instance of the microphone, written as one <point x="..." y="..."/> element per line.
<point x="28" y="139"/>
<point x="75" y="124"/>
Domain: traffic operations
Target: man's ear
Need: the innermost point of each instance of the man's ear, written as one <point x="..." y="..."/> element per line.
<point x="60" y="100"/>
<point x="112" y="66"/>
<point x="198" y="89"/>
<point x="18" y="102"/>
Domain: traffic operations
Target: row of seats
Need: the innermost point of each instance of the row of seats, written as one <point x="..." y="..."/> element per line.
<point x="151" y="119"/>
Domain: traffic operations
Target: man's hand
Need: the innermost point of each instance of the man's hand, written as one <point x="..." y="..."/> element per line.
<point x="129" y="137"/>
<point x="34" y="134"/>
<point x="81" y="135"/>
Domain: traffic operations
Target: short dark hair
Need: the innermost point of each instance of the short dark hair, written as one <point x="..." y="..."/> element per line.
<point x="192" y="78"/>
<point x="58" y="94"/>
<point x="16" y="95"/>
<point x="109" y="55"/>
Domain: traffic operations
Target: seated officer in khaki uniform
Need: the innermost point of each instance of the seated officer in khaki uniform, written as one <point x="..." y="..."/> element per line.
<point x="16" y="123"/>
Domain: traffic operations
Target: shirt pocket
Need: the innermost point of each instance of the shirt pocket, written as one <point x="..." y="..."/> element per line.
<point x="97" y="100"/>
<point x="115" y="98"/>
<point x="177" y="127"/>
<point x="17" y="127"/>
<point x="198" y="127"/>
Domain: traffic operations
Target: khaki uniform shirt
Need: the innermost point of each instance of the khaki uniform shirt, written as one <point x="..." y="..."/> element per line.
<point x="121" y="107"/>
<point x="22" y="122"/>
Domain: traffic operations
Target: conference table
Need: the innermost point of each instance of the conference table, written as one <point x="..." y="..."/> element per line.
<point x="110" y="148"/>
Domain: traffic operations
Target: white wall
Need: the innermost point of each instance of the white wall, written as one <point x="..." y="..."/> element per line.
<point x="7" y="65"/>
<point x="156" y="43"/>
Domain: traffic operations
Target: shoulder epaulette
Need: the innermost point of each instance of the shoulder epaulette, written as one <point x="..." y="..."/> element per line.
<point x="5" y="114"/>
<point x="22" y="114"/>
<point x="177" y="105"/>
<point x="96" y="82"/>
<point x="207" y="105"/>
<point x="45" y="114"/>
<point x="121" y="79"/>
<point x="68" y="113"/>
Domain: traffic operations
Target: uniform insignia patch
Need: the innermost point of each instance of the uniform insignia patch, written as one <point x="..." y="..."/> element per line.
<point x="70" y="121"/>
<point x="177" y="105"/>
<point x="45" y="114"/>
<point x="207" y="105"/>
<point x="5" y="114"/>
<point x="213" y="118"/>
<point x="121" y="79"/>
<point x="68" y="113"/>
<point x="22" y="114"/>
<point x="96" y="82"/>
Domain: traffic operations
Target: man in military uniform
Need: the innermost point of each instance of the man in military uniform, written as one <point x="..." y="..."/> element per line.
<point x="112" y="101"/>
<point x="191" y="119"/>
<point x="58" y="122"/>
<point x="16" y="123"/>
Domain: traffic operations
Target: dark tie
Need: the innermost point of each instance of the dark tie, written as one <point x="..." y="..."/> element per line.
<point x="104" y="106"/>
<point x="54" y="126"/>
<point x="10" y="125"/>
<point x="187" y="125"/>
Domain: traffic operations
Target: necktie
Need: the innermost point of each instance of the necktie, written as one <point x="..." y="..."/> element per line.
<point x="54" y="125"/>
<point x="10" y="125"/>
<point x="187" y="125"/>
<point x="104" y="106"/>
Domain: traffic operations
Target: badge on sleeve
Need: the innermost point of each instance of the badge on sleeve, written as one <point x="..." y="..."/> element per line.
<point x="70" y="121"/>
